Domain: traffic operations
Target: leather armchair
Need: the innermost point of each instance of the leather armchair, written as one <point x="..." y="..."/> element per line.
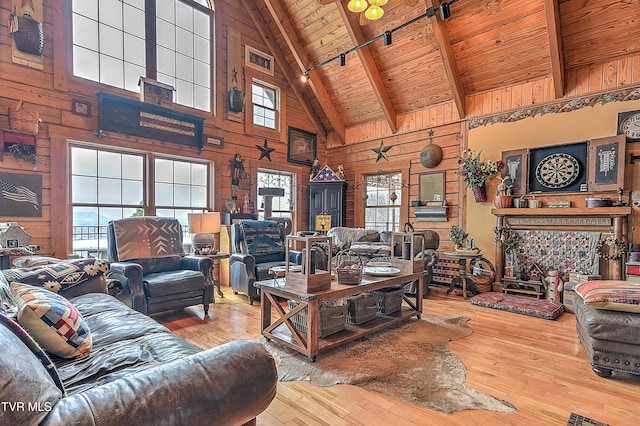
<point x="257" y="246"/>
<point x="157" y="275"/>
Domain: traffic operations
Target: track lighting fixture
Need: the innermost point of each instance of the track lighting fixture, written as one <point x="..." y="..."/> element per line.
<point x="444" y="10"/>
<point x="387" y="38"/>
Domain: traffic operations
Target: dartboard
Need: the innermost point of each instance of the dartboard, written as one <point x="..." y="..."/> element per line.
<point x="557" y="170"/>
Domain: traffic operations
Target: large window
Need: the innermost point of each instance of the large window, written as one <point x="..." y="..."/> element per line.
<point x="110" y="45"/>
<point x="383" y="199"/>
<point x="282" y="206"/>
<point x="107" y="185"/>
<point x="264" y="98"/>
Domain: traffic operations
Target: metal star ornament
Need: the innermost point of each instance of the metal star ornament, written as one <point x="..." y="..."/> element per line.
<point x="382" y="151"/>
<point x="265" y="151"/>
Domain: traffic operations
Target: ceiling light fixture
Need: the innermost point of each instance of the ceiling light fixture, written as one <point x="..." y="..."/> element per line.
<point x="444" y="11"/>
<point x="372" y="9"/>
<point x="357" y="5"/>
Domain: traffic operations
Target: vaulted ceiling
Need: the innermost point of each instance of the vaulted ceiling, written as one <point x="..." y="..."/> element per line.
<point x="484" y="45"/>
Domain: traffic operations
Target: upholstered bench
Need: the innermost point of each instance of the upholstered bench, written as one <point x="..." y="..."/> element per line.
<point x="608" y="325"/>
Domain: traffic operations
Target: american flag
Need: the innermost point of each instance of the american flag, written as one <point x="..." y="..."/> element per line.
<point x="19" y="193"/>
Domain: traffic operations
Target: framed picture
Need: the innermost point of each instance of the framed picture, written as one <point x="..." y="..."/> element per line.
<point x="302" y="146"/>
<point x="12" y="244"/>
<point x="81" y="108"/>
<point x="323" y="222"/>
<point x="431" y="187"/>
<point x="253" y="58"/>
<point x="21" y="195"/>
<point x="606" y="163"/>
<point x="515" y="166"/>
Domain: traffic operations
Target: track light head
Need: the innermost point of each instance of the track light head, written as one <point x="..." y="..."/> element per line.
<point x="304" y="77"/>
<point x="445" y="11"/>
<point x="342" y="60"/>
<point x="387" y="38"/>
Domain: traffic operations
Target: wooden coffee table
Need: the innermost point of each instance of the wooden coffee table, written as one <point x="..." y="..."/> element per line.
<point x="283" y="330"/>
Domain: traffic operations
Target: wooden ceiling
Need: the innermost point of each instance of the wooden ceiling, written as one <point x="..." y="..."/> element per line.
<point x="483" y="46"/>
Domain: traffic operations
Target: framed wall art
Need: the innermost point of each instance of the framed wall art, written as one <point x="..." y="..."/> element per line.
<point x="253" y="58"/>
<point x="323" y="222"/>
<point x="301" y="147"/>
<point x="516" y="166"/>
<point x="20" y="195"/>
<point x="606" y="163"/>
<point x="79" y="107"/>
<point x="431" y="187"/>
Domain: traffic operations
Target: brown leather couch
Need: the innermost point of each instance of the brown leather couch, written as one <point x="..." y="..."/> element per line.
<point x="138" y="372"/>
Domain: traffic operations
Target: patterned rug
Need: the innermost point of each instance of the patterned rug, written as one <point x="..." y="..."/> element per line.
<point x="410" y="361"/>
<point x="545" y="309"/>
<point x="578" y="420"/>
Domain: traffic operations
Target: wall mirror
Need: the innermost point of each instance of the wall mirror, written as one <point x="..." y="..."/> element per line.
<point x="431" y="187"/>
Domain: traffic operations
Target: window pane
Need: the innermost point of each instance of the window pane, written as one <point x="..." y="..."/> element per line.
<point x="85" y="32"/>
<point x="88" y="8"/>
<point x="84" y="162"/>
<point x="164" y="194"/>
<point x="132" y="193"/>
<point x="85" y="63"/>
<point x="199" y="174"/>
<point x="166" y="34"/>
<point x="109" y="191"/>
<point x="198" y="196"/>
<point x="164" y="170"/>
<point x="181" y="172"/>
<point x="181" y="195"/>
<point x="85" y="190"/>
<point x="134" y="21"/>
<point x="166" y="63"/>
<point x="111" y="13"/>
<point x="109" y="164"/>
<point x="111" y="71"/>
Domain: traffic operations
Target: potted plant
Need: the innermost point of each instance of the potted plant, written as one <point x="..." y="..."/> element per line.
<point x="457" y="236"/>
<point x="476" y="172"/>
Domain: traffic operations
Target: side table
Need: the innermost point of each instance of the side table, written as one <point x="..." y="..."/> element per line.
<point x="462" y="269"/>
<point x="217" y="256"/>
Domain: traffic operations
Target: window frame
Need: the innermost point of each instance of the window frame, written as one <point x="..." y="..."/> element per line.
<point x="65" y="78"/>
<point x="292" y="192"/>
<point x="149" y="205"/>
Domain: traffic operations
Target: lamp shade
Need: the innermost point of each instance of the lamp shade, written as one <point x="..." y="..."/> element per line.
<point x="373" y="12"/>
<point x="204" y="223"/>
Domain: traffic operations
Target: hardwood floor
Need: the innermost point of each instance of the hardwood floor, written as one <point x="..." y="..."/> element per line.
<point x="537" y="365"/>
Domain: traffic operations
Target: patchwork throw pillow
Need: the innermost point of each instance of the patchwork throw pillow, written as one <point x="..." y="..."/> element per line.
<point x="610" y="295"/>
<point x="59" y="276"/>
<point x="52" y="321"/>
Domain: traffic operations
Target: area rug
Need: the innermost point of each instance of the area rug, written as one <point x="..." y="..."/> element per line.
<point x="545" y="309"/>
<point x="410" y="361"/>
<point x="578" y="420"/>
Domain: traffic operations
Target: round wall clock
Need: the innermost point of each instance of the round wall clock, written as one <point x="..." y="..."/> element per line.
<point x="557" y="170"/>
<point x="630" y="126"/>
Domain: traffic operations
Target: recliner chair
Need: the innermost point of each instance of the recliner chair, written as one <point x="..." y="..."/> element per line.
<point x="147" y="251"/>
<point x="257" y="246"/>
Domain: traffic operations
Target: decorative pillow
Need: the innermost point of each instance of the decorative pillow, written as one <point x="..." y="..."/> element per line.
<point x="52" y="321"/>
<point x="610" y="295"/>
<point x="59" y="276"/>
<point x="263" y="237"/>
<point x="31" y="261"/>
<point x="21" y="334"/>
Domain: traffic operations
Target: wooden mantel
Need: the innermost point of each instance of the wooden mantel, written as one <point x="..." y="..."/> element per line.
<point x="606" y="219"/>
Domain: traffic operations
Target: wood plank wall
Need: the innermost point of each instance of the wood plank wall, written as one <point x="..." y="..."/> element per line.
<point x="50" y="92"/>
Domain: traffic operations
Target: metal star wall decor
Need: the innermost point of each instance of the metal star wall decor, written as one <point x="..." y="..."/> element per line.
<point x="382" y="151"/>
<point x="265" y="151"/>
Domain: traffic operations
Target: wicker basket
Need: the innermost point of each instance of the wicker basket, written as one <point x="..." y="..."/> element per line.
<point x="349" y="267"/>
<point x="332" y="318"/>
<point x="389" y="300"/>
<point x="21" y="120"/>
<point x="361" y="308"/>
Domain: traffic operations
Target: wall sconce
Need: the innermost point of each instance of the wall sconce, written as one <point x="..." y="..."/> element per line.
<point x="203" y="226"/>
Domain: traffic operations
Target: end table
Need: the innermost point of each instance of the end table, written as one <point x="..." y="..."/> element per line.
<point x="216" y="256"/>
<point x="462" y="269"/>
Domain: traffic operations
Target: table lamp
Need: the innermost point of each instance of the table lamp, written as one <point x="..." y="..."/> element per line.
<point x="203" y="226"/>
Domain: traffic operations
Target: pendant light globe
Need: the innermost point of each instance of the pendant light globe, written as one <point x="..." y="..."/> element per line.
<point x="357" y="5"/>
<point x="378" y="2"/>
<point x="373" y="12"/>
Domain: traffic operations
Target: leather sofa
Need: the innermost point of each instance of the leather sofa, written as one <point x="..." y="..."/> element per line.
<point x="137" y="372"/>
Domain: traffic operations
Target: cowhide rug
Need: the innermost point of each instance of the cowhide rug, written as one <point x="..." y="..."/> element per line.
<point x="410" y="361"/>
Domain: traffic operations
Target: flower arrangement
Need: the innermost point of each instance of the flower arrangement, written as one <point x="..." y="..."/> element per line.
<point x="474" y="171"/>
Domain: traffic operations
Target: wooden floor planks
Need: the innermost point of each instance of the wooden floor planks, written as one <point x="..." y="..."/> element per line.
<point x="537" y="365"/>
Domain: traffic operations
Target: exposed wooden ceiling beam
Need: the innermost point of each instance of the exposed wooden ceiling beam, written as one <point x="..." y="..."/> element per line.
<point x="350" y="20"/>
<point x="552" y="12"/>
<point x="448" y="59"/>
<point x="297" y="50"/>
<point x="289" y="74"/>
